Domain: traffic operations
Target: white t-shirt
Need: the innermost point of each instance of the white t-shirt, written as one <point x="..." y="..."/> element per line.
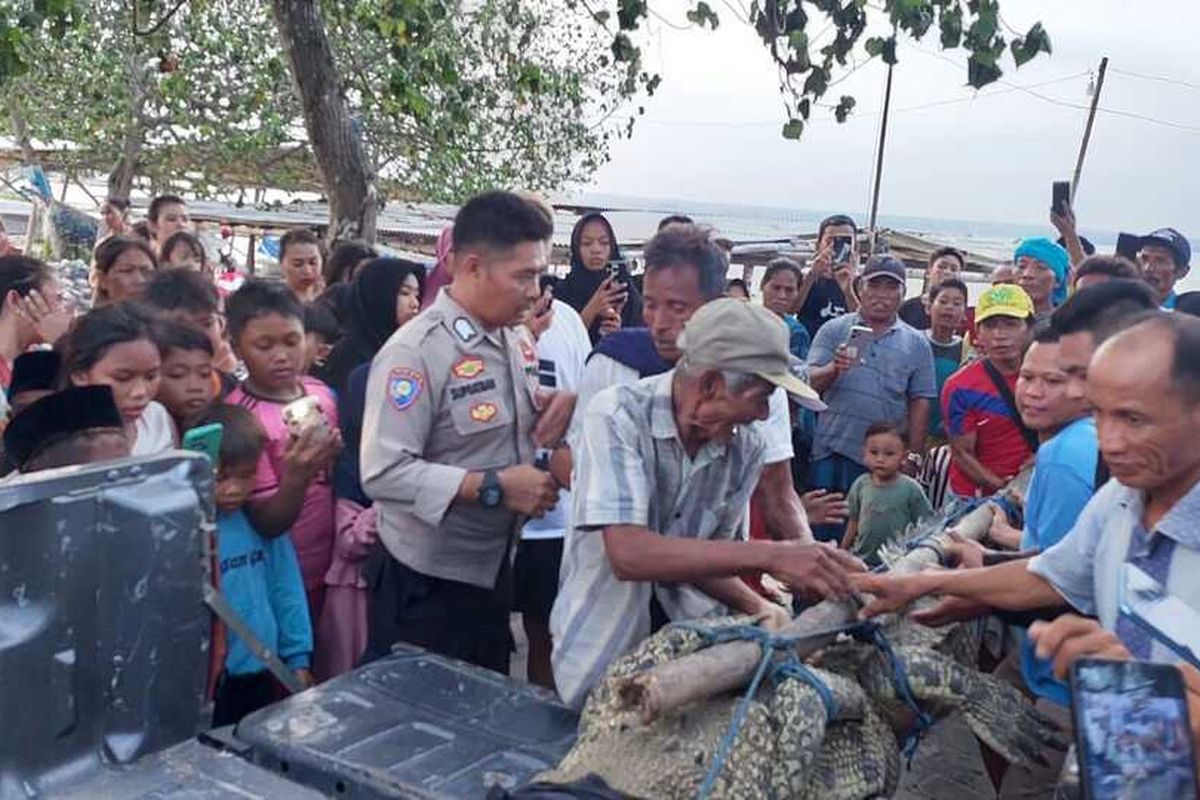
<point x="562" y="351"/>
<point x="154" y="431"/>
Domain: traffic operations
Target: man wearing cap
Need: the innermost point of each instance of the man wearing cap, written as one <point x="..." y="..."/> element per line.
<point x="988" y="441"/>
<point x="663" y="470"/>
<point x="80" y="425"/>
<point x="1164" y="256"/>
<point x="890" y="378"/>
<point x="1043" y="271"/>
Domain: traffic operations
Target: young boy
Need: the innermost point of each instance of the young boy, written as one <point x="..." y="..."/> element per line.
<point x="292" y="490"/>
<point x="186" y="387"/>
<point x="259" y="576"/>
<point x="189" y="298"/>
<point x="883" y="502"/>
<point x="321" y="333"/>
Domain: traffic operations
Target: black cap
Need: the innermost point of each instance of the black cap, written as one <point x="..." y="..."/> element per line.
<point x="49" y="419"/>
<point x="1173" y="240"/>
<point x="34" y="371"/>
<point x="885" y="265"/>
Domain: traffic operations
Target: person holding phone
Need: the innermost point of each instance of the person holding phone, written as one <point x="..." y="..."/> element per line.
<point x="870" y="367"/>
<point x="1043" y="269"/>
<point x="827" y="291"/>
<point x="599" y="285"/>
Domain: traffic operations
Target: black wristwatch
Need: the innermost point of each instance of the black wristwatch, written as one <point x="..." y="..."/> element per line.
<point x="491" y="493"/>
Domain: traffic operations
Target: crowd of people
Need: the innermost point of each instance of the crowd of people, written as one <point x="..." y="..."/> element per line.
<point x="413" y="454"/>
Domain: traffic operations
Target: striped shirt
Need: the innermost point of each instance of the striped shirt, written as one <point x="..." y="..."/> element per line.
<point x="631" y="469"/>
<point x="896" y="366"/>
<point x="1085" y="567"/>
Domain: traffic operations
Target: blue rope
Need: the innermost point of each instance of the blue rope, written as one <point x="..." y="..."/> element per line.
<point x="872" y="633"/>
<point x="868" y="631"/>
<point x="789" y="667"/>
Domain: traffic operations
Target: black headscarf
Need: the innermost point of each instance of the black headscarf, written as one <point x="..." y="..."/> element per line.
<point x="371" y="316"/>
<point x="581" y="283"/>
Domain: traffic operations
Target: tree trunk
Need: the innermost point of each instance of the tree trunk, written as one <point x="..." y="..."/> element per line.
<point x="729" y="666"/>
<point x="20" y="130"/>
<point x="336" y="145"/>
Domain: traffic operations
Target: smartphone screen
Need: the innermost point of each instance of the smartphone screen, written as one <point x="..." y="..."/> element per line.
<point x="1128" y="246"/>
<point x="841" y="249"/>
<point x="1060" y="196"/>
<point x="1131" y="730"/>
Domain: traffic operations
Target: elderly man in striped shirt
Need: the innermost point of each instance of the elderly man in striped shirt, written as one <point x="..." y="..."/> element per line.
<point x="662" y="476"/>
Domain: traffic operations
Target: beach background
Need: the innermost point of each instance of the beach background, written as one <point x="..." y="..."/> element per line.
<point x="638" y="219"/>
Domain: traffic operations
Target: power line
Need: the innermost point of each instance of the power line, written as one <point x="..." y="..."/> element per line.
<point x="1157" y="78"/>
<point x="1067" y="104"/>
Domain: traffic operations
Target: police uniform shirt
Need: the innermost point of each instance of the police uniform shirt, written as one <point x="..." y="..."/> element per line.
<point x="446" y="396"/>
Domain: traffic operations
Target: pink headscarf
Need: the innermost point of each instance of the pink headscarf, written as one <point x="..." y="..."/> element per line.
<point x="440" y="275"/>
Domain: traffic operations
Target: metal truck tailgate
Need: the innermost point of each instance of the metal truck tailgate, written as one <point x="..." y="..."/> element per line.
<point x="413" y="725"/>
<point x="103" y="638"/>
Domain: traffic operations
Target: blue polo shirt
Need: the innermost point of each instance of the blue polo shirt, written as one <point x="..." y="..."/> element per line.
<point x="896" y="366"/>
<point x="1085" y="567"/>
<point x="1063" y="481"/>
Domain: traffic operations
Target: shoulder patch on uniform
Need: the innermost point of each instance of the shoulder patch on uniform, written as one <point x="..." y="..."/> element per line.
<point x="483" y="412"/>
<point x="464" y="329"/>
<point x="468" y="367"/>
<point x="404" y="386"/>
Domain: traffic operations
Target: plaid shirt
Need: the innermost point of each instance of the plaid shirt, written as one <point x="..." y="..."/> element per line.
<point x="631" y="469"/>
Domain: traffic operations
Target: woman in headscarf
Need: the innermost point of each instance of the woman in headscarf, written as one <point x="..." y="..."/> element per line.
<point x="599" y="285"/>
<point x="385" y="293"/>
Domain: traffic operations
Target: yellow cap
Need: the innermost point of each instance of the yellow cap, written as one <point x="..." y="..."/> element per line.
<point x="1004" y="300"/>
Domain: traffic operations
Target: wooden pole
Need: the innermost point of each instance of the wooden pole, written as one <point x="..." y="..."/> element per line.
<point x="1087" y="131"/>
<point x="728" y="667"/>
<point x="887" y="104"/>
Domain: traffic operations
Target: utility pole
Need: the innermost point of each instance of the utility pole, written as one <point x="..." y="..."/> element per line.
<point x="887" y="103"/>
<point x="1087" y="131"/>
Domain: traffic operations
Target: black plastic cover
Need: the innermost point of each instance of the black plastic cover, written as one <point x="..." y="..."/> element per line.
<point x="413" y="725"/>
<point x="103" y="638"/>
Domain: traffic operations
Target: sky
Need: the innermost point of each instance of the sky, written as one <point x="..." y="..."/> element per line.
<point x="712" y="132"/>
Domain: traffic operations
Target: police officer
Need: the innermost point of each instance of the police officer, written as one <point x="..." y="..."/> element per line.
<point x="453" y="415"/>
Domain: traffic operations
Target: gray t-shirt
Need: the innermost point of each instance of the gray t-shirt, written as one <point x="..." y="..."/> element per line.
<point x="883" y="512"/>
<point x="896" y="366"/>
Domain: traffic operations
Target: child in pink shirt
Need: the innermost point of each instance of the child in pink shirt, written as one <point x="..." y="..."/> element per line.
<point x="292" y="489"/>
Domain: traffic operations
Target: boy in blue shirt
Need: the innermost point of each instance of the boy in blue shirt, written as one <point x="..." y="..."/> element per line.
<point x="260" y="577"/>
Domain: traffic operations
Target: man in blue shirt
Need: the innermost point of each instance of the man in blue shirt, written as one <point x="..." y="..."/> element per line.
<point x="1164" y="256"/>
<point x="889" y="379"/>
<point x="1144" y="385"/>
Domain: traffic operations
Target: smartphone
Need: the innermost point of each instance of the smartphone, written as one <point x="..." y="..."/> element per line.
<point x="300" y="415"/>
<point x="1132" y="733"/>
<point x="856" y="344"/>
<point x="1168" y="619"/>
<point x="1060" y="197"/>
<point x="205" y="439"/>
<point x="841" y="249"/>
<point x="1129" y="246"/>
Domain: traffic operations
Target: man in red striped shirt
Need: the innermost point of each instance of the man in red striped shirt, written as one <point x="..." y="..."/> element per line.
<point x="988" y="442"/>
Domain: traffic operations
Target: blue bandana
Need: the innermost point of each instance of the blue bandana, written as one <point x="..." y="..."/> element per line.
<point x="1053" y="256"/>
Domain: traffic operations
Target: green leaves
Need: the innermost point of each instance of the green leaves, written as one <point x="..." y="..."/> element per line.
<point x="783" y="25"/>
<point x="703" y="15"/>
<point x="1026" y="47"/>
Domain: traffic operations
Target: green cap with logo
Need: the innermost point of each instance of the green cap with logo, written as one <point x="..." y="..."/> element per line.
<point x="742" y="337"/>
